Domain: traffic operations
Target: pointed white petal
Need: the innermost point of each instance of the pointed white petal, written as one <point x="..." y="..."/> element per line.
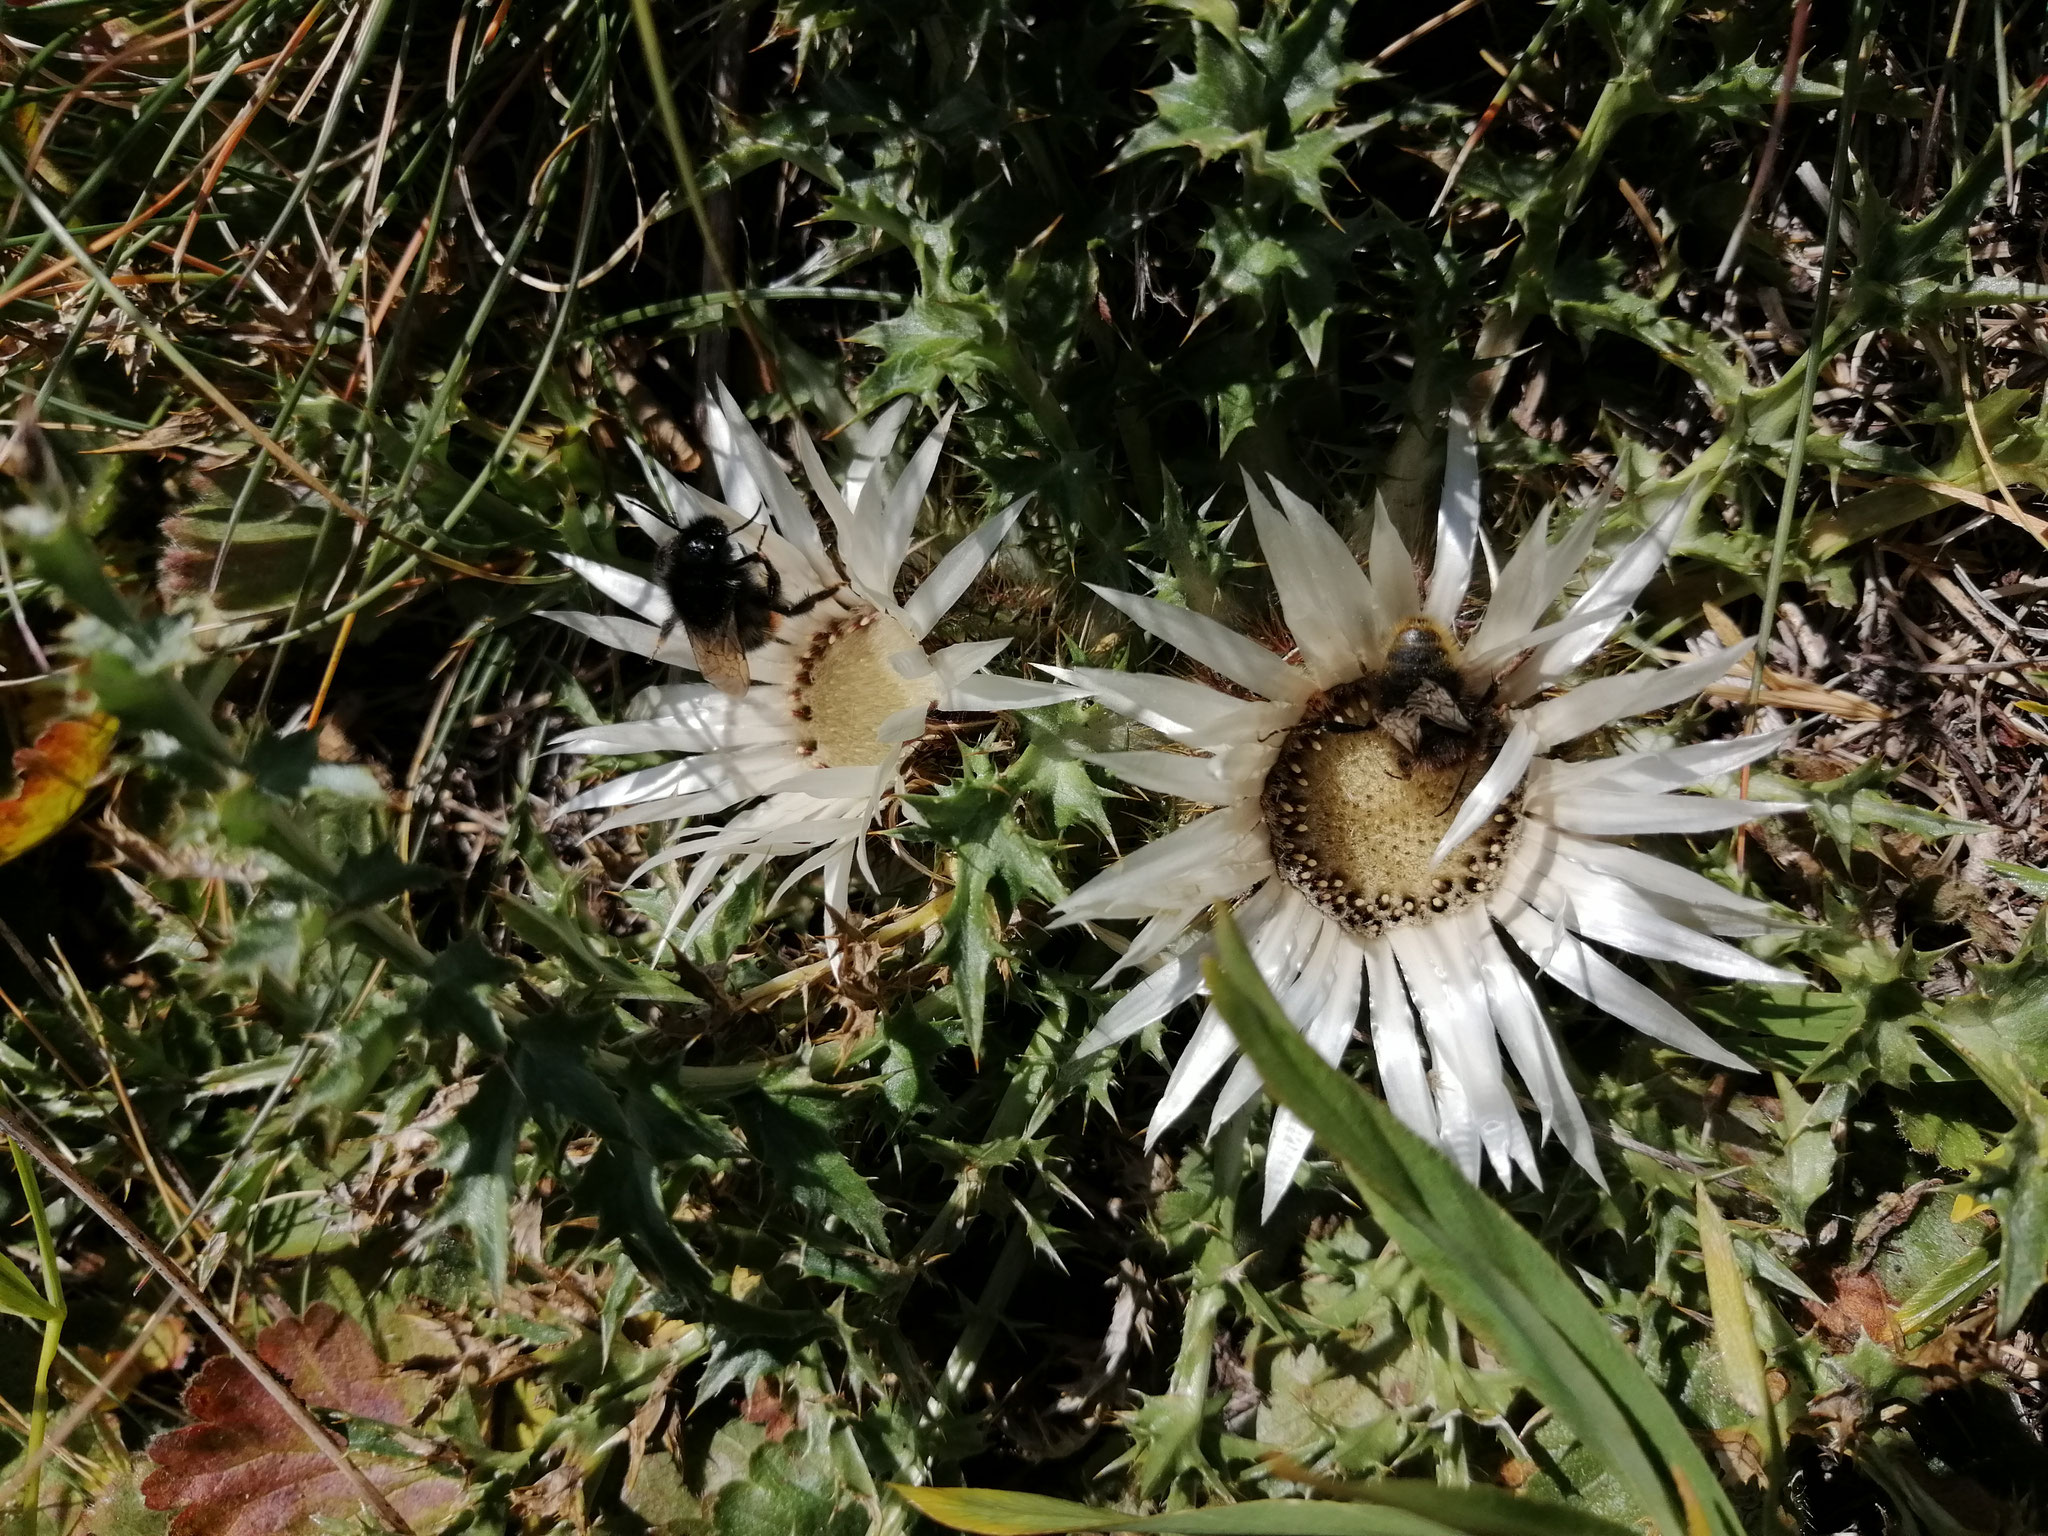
<point x="1672" y="768"/>
<point x="906" y="724"/>
<point x="648" y="813"/>
<point x="635" y="736"/>
<point x="1393" y="569"/>
<point x="644" y="517"/>
<point x="1215" y="855"/>
<point x="1614" y="591"/>
<point x="952" y="576"/>
<point x="1211" y="1045"/>
<point x="1457" y="522"/>
<point x="737" y="774"/>
<point x="623" y="588"/>
<point x="885" y="531"/>
<point x="1238" y="657"/>
<point x="837" y="891"/>
<point x="1286" y="1145"/>
<point x="1480" y="665"/>
<point x="1516" y="601"/>
<point x="873" y="442"/>
<point x="1500" y="780"/>
<point x="1528" y="587"/>
<point x="1327" y="1035"/>
<point x="1609" y="911"/>
<point x="742" y="871"/>
<point x="735" y="484"/>
<point x="693" y="718"/>
<point x="992" y="691"/>
<point x="950" y="665"/>
<point x="1305" y="1003"/>
<point x="668" y="490"/>
<point x="1646" y="872"/>
<point x="1451" y="997"/>
<point x="793" y="836"/>
<point x="1354" y="607"/>
<point x="1396" y="1051"/>
<point x="1532" y="1048"/>
<point x="1278" y="948"/>
<point x="1148" y="1002"/>
<point x="799" y="873"/>
<point x="820" y="479"/>
<point x="1187" y="973"/>
<point x="1176" y="707"/>
<point x="1577" y="965"/>
<point x="1217" y="780"/>
<point x="629" y="635"/>
<point x="1154" y="938"/>
<point x="786" y="510"/>
<point x="1307" y="600"/>
<point x="1606" y="699"/>
<point x="841" y="786"/>
<point x="1613" y="813"/>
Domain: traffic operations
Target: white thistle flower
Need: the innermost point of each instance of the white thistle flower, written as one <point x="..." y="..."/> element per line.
<point x="1385" y="811"/>
<point x="841" y="691"/>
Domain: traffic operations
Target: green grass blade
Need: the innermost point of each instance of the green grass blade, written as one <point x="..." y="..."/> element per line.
<point x="1491" y="1273"/>
<point x="999" y="1512"/>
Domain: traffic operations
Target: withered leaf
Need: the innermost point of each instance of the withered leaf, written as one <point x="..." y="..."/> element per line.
<point x="243" y="1469"/>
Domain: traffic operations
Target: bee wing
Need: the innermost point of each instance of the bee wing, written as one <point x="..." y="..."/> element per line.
<point x="721" y="658"/>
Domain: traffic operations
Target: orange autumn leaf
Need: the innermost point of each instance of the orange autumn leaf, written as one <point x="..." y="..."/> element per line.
<point x="55" y="775"/>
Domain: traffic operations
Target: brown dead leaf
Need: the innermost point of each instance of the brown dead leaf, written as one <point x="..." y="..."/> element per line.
<point x="243" y="1469"/>
<point x="181" y="429"/>
<point x="1782" y="690"/>
<point x="1858" y="1309"/>
<point x="767" y="1407"/>
<point x="1737" y="1454"/>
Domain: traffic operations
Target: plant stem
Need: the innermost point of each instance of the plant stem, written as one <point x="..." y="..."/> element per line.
<point x="1817" y="352"/>
<point x="53" y="1290"/>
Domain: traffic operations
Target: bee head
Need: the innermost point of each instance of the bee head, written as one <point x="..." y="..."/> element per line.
<point x="704" y="538"/>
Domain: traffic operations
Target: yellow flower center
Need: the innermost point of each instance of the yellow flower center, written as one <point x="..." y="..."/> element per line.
<point x="845" y="688"/>
<point x="1354" y="812"/>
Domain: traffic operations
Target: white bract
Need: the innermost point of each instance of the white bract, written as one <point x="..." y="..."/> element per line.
<point x="841" y="692"/>
<point x="1387" y="820"/>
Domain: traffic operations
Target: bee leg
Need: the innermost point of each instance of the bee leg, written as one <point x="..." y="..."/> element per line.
<point x="802" y="605"/>
<point x="1457" y="790"/>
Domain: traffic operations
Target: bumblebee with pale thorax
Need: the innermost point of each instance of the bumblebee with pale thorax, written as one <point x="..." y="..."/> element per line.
<point x="726" y="599"/>
<point x="1419" y="699"/>
<point x="1425" y="704"/>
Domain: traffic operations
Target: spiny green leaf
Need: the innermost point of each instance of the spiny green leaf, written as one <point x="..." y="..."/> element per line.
<point x="788" y="1137"/>
<point x="995" y="862"/>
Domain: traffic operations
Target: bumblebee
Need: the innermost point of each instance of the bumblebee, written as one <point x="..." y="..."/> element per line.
<point x="726" y="599"/>
<point x="1420" y="699"/>
<point x="1425" y="706"/>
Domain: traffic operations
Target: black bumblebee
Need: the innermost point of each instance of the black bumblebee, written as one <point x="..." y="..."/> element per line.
<point x="726" y="598"/>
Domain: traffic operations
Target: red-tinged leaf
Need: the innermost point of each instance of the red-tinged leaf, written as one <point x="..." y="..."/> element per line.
<point x="330" y="1364"/>
<point x="244" y="1469"/>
